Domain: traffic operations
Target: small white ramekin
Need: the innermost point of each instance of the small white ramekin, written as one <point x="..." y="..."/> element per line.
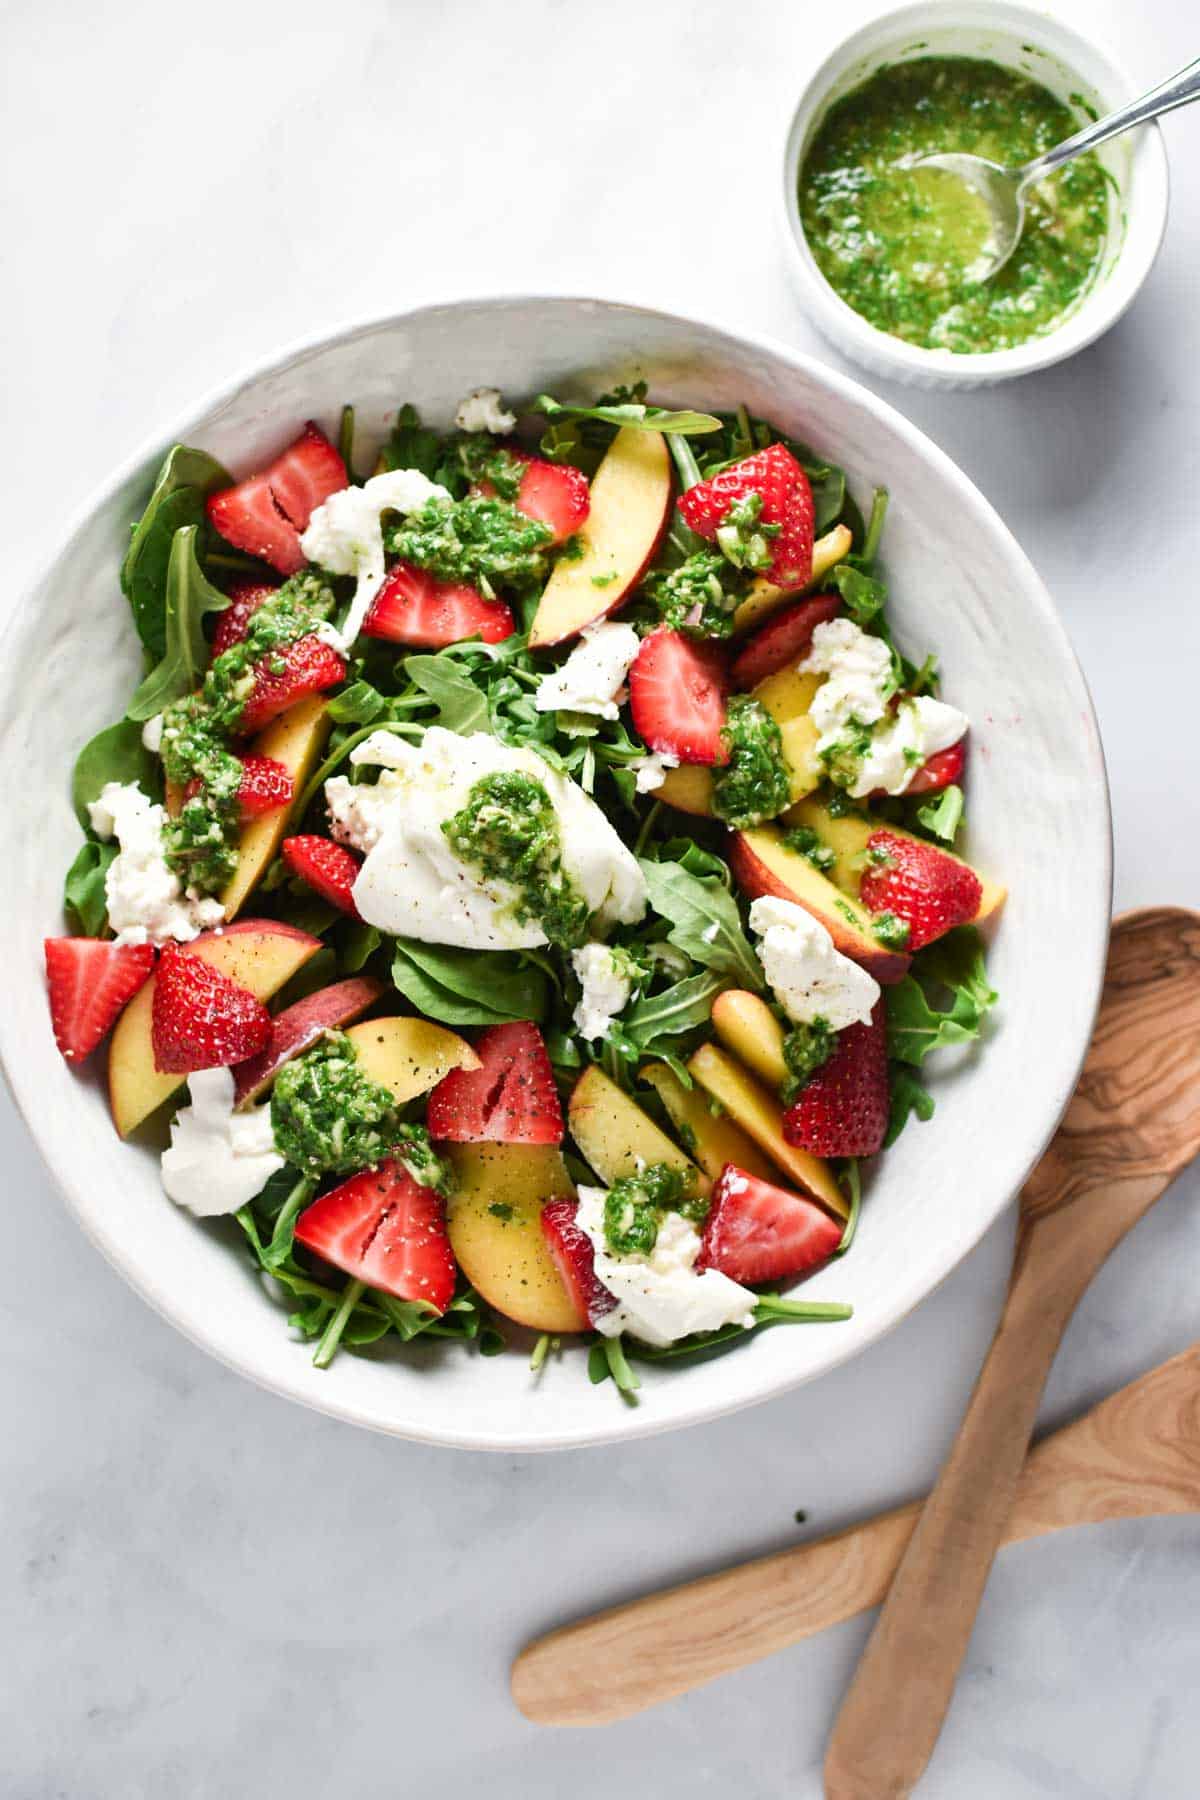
<point x="1073" y="68"/>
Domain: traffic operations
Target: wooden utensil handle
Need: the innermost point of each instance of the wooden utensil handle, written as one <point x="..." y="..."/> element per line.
<point x="1136" y="1453"/>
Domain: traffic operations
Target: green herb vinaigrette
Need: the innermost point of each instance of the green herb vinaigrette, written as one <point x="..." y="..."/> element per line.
<point x="898" y="244"/>
<point x="329" y="1117"/>
<point x="508" y="830"/>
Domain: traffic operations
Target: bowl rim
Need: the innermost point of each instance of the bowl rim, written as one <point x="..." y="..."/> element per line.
<point x="1101" y="305"/>
<point x="1094" y="917"/>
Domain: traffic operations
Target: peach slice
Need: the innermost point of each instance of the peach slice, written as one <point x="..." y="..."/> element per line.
<point x="630" y="503"/>
<point x="764" y="598"/>
<point x="494" y="1218"/>
<point x="616" y="1137"/>
<point x="761" y="1117"/>
<point x="713" y="1138"/>
<point x="409" y="1056"/>
<point x="747" y="1026"/>
<point x="762" y="864"/>
<point x="295" y="739"/>
<point x="298" y="1027"/>
<point x="258" y="954"/>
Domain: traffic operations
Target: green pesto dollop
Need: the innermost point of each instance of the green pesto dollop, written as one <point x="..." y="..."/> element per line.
<point x="806" y="1048"/>
<point x="754" y="784"/>
<point x="482" y="541"/>
<point x="803" y="841"/>
<point x="898" y="243"/>
<point x="635" y="1205"/>
<point x="508" y="830"/>
<point x="329" y="1117"/>
<point x="201" y="842"/>
<point x="699" y="596"/>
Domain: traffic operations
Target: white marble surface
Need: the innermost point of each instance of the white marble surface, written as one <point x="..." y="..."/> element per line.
<point x="206" y="1592"/>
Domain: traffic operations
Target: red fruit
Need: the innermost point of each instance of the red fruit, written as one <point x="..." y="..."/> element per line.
<point x="385" y="1229"/>
<point x="511" y="1099"/>
<point x="265" y="786"/>
<point x="329" y="869"/>
<point x="926" y="887"/>
<point x="756" y="1231"/>
<point x="300" y="1025"/>
<point x="556" y="494"/>
<point x="787" y="501"/>
<point x="265" y="514"/>
<point x="784" y="639"/>
<point x="90" y="980"/>
<point x="940" y="770"/>
<point x="677" y="693"/>
<point x="842" y="1110"/>
<point x="200" y="1019"/>
<point x="234" y="622"/>
<point x="571" y="1248"/>
<point x="412" y="608"/>
<point x="309" y="667"/>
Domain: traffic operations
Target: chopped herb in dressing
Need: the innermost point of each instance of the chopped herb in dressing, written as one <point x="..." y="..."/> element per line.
<point x="802" y="840"/>
<point x="700" y="596"/>
<point x="754" y="784"/>
<point x="634" y="1207"/>
<point x="806" y="1048"/>
<point x="482" y="541"/>
<point x="329" y="1117"/>
<point x="508" y="830"/>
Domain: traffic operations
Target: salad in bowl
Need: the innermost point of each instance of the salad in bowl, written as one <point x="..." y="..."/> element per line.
<point x="523" y="887"/>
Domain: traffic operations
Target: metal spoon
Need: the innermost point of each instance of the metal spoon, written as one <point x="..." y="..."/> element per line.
<point x="1004" y="190"/>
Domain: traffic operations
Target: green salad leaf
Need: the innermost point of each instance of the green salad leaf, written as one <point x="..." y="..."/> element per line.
<point x="184" y="481"/>
<point x="114" y="754"/>
<point x="954" y="964"/>
<point x="190" y="596"/>
<point x="704" y="917"/>
<point x="943" y="815"/>
<point x="684" y="1006"/>
<point x="469" y="987"/>
<point x="83" y="890"/>
<point x="632" y="412"/>
<point x="461" y="705"/>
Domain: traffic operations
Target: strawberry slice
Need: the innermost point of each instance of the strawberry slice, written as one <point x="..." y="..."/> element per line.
<point x="90" y="980"/>
<point x="842" y="1110"/>
<point x="385" y="1229"/>
<point x="756" y="1231"/>
<point x="677" y="690"/>
<point x="329" y="869"/>
<point x="234" y="622"/>
<point x="265" y="514"/>
<point x="571" y="1248"/>
<point x="265" y="786"/>
<point x="299" y="1025"/>
<point x="776" y="476"/>
<point x="555" y="494"/>
<point x="510" y="1099"/>
<point x="940" y="770"/>
<point x="929" y="889"/>
<point x="784" y="639"/>
<point x="308" y="666"/>
<point x="200" y="1019"/>
<point x="412" y="608"/>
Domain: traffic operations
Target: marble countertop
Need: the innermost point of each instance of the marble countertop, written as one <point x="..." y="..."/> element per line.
<point x="208" y="1592"/>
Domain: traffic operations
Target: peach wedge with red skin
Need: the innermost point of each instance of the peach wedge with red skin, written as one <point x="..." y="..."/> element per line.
<point x="298" y="1027"/>
<point x="630" y="504"/>
<point x="494" y="1217"/>
<point x="258" y="954"/>
<point x="848" y="836"/>
<point x="762" y="864"/>
<point x="295" y="739"/>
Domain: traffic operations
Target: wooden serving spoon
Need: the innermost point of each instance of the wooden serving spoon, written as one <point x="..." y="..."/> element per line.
<point x="1135" y="1455"/>
<point x="1133" y="1124"/>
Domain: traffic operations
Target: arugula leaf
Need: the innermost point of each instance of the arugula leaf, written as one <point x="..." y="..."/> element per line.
<point x="462" y="706"/>
<point x="469" y="987"/>
<point x="412" y="445"/>
<point x="358" y="704"/>
<point x="114" y="754"/>
<point x="909" y="1095"/>
<point x="359" y="944"/>
<point x="83" y="890"/>
<point x="769" y="1309"/>
<point x="681" y="1007"/>
<point x="865" y="597"/>
<point x="705" y="922"/>
<point x="851" y="1179"/>
<point x="943" y="814"/>
<point x="915" y="1026"/>
<point x="190" y="595"/>
<point x="631" y="412"/>
<point x="185" y="479"/>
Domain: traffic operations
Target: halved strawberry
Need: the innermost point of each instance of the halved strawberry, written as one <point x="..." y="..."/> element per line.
<point x="842" y="1110"/>
<point x="265" y="514"/>
<point x="756" y="1231"/>
<point x="329" y="869"/>
<point x="677" y="690"/>
<point x="300" y="1025"/>
<point x="940" y="770"/>
<point x="90" y="980"/>
<point x="571" y="1248"/>
<point x="308" y="666"/>
<point x="510" y="1099"/>
<point x="200" y="1019"/>
<point x="784" y="639"/>
<point x="927" y="888"/>
<point x="265" y="786"/>
<point x="412" y="608"/>
<point x="556" y="494"/>
<point x="787" y="501"/>
<point x="234" y="622"/>
<point x="385" y="1229"/>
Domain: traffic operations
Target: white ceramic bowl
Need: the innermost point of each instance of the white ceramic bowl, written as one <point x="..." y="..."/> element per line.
<point x="1038" y="815"/>
<point x="1051" y="53"/>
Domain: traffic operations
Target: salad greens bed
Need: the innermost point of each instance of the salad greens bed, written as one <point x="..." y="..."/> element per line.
<point x="693" y="942"/>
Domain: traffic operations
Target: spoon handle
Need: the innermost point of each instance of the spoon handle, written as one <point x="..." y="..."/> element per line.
<point x="1177" y="90"/>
